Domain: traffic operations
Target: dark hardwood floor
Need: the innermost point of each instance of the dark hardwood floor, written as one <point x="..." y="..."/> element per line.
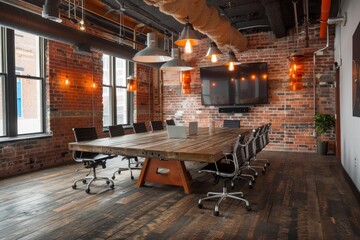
<point x="302" y="196"/>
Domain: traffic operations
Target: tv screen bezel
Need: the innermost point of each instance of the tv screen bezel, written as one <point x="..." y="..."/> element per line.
<point x="240" y="104"/>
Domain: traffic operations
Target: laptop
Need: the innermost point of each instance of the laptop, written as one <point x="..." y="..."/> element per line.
<point x="193" y="127"/>
<point x="176" y="132"/>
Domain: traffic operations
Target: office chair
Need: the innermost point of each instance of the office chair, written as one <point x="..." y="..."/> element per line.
<point x="231" y="123"/>
<point x="226" y="168"/>
<point x="156" y="125"/>
<point x="170" y="122"/>
<point x="116" y="131"/>
<point x="139" y="127"/>
<point x="89" y="159"/>
<point x="260" y="144"/>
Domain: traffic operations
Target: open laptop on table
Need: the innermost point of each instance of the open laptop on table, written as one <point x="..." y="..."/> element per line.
<point x="176" y="132"/>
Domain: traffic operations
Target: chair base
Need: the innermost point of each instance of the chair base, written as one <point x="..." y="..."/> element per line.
<point x="90" y="179"/>
<point x="129" y="168"/>
<point x="223" y="195"/>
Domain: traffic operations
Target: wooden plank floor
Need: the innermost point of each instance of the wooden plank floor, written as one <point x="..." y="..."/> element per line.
<point x="302" y="196"/>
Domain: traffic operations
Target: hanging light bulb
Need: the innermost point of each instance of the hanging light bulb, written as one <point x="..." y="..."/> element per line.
<point x="213" y="52"/>
<point x="188" y="47"/>
<point x="67" y="82"/>
<point x="231" y="66"/>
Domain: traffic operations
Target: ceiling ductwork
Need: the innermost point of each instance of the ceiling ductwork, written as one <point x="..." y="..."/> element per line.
<point x="51" y="10"/>
<point x="204" y="19"/>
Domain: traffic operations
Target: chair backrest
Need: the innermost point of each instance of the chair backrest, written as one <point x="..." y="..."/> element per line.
<point x="249" y="145"/>
<point x="139" y="127"/>
<point x="231" y="123"/>
<point x="268" y="129"/>
<point x="170" y="122"/>
<point x="239" y="150"/>
<point x="259" y="139"/>
<point x="116" y="130"/>
<point x="84" y="134"/>
<point x="156" y="125"/>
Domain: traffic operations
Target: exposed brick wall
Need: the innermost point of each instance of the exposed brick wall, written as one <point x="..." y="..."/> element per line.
<point x="291" y="113"/>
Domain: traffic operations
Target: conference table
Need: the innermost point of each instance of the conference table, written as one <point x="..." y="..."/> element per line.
<point x="164" y="157"/>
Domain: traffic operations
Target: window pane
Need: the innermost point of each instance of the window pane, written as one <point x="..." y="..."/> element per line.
<point x="106" y="69"/>
<point x="107" y="111"/>
<point x="27" y="54"/>
<point x="29" y="104"/>
<point x="121" y="106"/>
<point x="120" y="72"/>
<point x="2" y="106"/>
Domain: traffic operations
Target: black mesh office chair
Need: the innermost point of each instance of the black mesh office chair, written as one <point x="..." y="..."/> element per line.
<point x="156" y="125"/>
<point x="89" y="159"/>
<point x="231" y="123"/>
<point x="227" y="169"/>
<point x="170" y="122"/>
<point x="139" y="127"/>
<point x="116" y="131"/>
<point x="260" y="144"/>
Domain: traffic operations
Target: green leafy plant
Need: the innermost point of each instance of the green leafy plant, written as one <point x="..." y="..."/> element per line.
<point x="323" y="122"/>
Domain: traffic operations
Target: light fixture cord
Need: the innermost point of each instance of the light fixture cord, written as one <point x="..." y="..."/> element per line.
<point x="92" y="90"/>
<point x="230" y="12"/>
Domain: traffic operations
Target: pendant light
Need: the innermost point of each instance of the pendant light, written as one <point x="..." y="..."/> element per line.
<point x="188" y="37"/>
<point x="152" y="53"/>
<point x="213" y="52"/>
<point x="176" y="64"/>
<point x="231" y="60"/>
<point x="132" y="85"/>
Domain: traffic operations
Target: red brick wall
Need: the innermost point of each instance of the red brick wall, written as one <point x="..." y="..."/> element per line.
<point x="291" y="113"/>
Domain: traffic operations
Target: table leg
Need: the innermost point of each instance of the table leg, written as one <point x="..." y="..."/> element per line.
<point x="171" y="172"/>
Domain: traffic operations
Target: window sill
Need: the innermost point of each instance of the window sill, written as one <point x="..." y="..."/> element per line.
<point x="25" y="137"/>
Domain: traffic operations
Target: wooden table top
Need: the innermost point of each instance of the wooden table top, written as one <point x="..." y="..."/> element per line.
<point x="203" y="147"/>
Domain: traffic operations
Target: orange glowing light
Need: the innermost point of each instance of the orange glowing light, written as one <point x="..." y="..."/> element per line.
<point x="253" y="77"/>
<point x="264" y="76"/>
<point x="213" y="84"/>
<point x="242" y="79"/>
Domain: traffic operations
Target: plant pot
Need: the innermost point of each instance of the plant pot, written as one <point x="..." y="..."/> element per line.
<point x="321" y="147"/>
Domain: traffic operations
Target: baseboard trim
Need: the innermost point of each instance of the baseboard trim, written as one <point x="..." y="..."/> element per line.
<point x="351" y="184"/>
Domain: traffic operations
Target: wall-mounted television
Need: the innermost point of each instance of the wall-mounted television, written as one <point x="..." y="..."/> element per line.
<point x="246" y="85"/>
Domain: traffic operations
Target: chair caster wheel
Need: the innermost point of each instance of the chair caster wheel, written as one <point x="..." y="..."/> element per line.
<point x="256" y="174"/>
<point x="84" y="181"/>
<point x="216" y="213"/>
<point x="263" y="171"/>
<point x="200" y="205"/>
<point x="113" y="177"/>
<point x="268" y="164"/>
<point x="74" y="186"/>
<point x="248" y="208"/>
<point x="119" y="172"/>
<point x="250" y="186"/>
<point x="107" y="182"/>
<point x="253" y="181"/>
<point x="87" y="190"/>
<point x="132" y="177"/>
<point x="112" y="186"/>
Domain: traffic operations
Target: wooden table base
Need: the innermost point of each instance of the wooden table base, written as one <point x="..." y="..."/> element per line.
<point x="171" y="172"/>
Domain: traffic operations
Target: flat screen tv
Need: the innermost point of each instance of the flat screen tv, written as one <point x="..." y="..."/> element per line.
<point x="246" y="85"/>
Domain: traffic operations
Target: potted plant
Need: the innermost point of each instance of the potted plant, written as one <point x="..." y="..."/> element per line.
<point x="323" y="123"/>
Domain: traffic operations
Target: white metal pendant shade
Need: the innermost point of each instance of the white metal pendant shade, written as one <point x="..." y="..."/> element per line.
<point x="152" y="53"/>
<point x="176" y="64"/>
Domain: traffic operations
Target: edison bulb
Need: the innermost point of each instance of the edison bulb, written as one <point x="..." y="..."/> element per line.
<point x="67" y="81"/>
<point x="188" y="47"/>
<point x="213" y="58"/>
<point x="231" y="66"/>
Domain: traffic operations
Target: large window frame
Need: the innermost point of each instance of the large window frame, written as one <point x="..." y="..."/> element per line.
<point x="112" y="86"/>
<point x="10" y="87"/>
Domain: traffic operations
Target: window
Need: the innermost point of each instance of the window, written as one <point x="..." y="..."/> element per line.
<point x="22" y="67"/>
<point x="116" y="100"/>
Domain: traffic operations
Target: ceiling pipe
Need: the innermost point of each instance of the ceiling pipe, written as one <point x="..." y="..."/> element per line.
<point x="325" y="11"/>
<point x="204" y="19"/>
<point x="26" y="21"/>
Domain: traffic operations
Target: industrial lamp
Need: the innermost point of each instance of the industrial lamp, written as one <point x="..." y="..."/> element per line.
<point x="176" y="64"/>
<point x="213" y="52"/>
<point x="231" y="60"/>
<point x="132" y="85"/>
<point x="296" y="71"/>
<point x="152" y="53"/>
<point x="188" y="37"/>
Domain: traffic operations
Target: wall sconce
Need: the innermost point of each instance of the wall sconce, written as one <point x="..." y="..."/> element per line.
<point x="185" y="82"/>
<point x="132" y="85"/>
<point x="296" y="71"/>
